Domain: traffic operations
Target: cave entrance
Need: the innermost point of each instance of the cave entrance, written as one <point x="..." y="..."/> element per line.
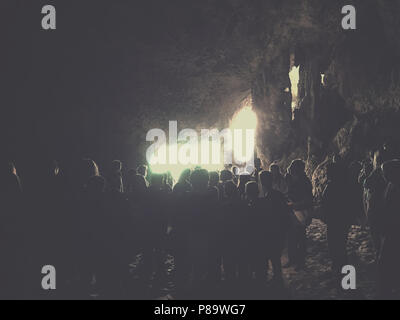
<point x="244" y="127"/>
<point x="211" y="149"/>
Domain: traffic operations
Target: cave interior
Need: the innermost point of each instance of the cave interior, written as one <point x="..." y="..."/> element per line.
<point x="113" y="71"/>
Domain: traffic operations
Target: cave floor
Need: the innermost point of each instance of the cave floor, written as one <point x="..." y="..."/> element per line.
<point x="315" y="282"/>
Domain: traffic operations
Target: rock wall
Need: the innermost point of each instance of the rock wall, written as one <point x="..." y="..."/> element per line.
<point x="355" y="110"/>
<point x="125" y="68"/>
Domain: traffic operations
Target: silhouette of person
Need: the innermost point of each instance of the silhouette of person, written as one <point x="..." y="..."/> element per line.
<point x="12" y="234"/>
<point x="115" y="182"/>
<point x="169" y="181"/>
<point x="232" y="242"/>
<point x="105" y="228"/>
<point x="135" y="183"/>
<point x="82" y="171"/>
<point x="158" y="219"/>
<point x="252" y="172"/>
<point x="276" y="217"/>
<point x="179" y="235"/>
<point x="183" y="185"/>
<point x="244" y="178"/>
<point x="78" y="177"/>
<point x="389" y="262"/>
<point x="236" y="173"/>
<point x="279" y="181"/>
<point x="202" y="201"/>
<point x="138" y="198"/>
<point x="337" y="215"/>
<point x="214" y="179"/>
<point x="254" y="233"/>
<point x="216" y="225"/>
<point x="50" y="225"/>
<point x="257" y="168"/>
<point x="143" y="171"/>
<point x="301" y="202"/>
<point x="224" y="176"/>
<point x="11" y="187"/>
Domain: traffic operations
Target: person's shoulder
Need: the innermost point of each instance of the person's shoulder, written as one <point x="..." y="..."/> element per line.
<point x="261" y="202"/>
<point x="278" y="195"/>
<point x="213" y="190"/>
<point x="114" y="196"/>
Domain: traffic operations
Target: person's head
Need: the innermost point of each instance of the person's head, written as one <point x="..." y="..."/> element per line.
<point x="116" y="166"/>
<point x="157" y="180"/>
<point x="228" y="166"/>
<point x="8" y="178"/>
<point x="199" y="179"/>
<point x="230" y="190"/>
<point x="136" y="183"/>
<point x="266" y="179"/>
<point x="96" y="185"/>
<point x="88" y="168"/>
<point x="214" y="178"/>
<point x="244" y="178"/>
<point x="275" y="170"/>
<point x="297" y="168"/>
<point x="55" y="168"/>
<point x="226" y="175"/>
<point x="391" y="171"/>
<point x="185" y="176"/>
<point x="168" y="179"/>
<point x="235" y="171"/>
<point x="250" y="170"/>
<point x="252" y="190"/>
<point x="257" y="163"/>
<point x="142" y="170"/>
<point x="8" y="167"/>
<point x="46" y="168"/>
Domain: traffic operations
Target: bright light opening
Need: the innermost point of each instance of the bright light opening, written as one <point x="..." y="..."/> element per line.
<point x="323" y="79"/>
<point x="245" y="121"/>
<point x="235" y="145"/>
<point x="294" y="76"/>
<point x="177" y="168"/>
<point x="245" y="118"/>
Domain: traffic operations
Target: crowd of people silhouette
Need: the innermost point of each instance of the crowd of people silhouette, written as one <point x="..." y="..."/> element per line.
<point x="218" y="226"/>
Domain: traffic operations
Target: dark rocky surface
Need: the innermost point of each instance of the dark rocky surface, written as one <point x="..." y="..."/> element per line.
<point x="117" y="69"/>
